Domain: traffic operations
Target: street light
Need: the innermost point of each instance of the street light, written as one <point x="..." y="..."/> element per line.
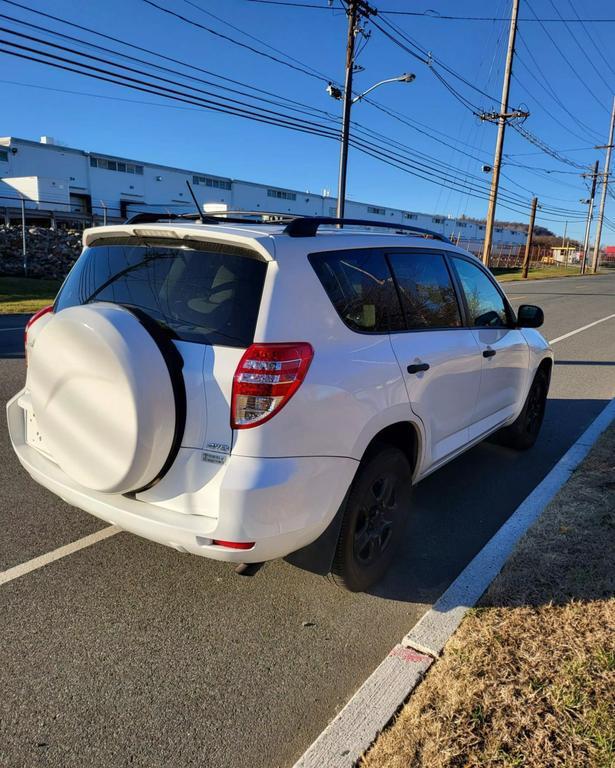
<point x="346" y="96"/>
<point x="408" y="77"/>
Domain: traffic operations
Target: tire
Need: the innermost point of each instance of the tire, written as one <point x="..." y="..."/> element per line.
<point x="523" y="433"/>
<point x="375" y="514"/>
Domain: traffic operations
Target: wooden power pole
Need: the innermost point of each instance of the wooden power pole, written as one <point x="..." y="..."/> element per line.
<point x="499" y="144"/>
<point x="530" y="237"/>
<point x="353" y="12"/>
<point x="605" y="187"/>
<point x="590" y="214"/>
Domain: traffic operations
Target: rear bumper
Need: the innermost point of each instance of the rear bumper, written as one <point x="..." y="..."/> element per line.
<point x="280" y="504"/>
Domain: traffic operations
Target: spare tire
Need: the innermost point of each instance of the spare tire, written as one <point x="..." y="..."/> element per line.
<point x="108" y="394"/>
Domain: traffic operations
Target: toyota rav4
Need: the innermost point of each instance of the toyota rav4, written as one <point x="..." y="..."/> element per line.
<point x="245" y="390"/>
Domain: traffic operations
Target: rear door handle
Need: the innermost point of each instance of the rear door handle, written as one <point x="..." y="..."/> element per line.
<point x="418" y="367"/>
<point x="488" y="352"/>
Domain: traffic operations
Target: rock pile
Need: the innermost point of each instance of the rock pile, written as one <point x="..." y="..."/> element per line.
<point x="51" y="253"/>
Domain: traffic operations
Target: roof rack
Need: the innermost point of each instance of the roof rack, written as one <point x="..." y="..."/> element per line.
<point x="307" y="226"/>
<point x="296" y="225"/>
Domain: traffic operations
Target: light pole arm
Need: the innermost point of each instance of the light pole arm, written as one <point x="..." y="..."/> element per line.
<point x="403" y="78"/>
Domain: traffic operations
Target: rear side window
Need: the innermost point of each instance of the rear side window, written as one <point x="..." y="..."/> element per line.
<point x="361" y="288"/>
<point x="209" y="295"/>
<point x="426" y="290"/>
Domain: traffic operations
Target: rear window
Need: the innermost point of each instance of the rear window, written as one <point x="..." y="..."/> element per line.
<point x="208" y="294"/>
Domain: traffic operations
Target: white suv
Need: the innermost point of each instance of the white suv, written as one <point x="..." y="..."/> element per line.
<point x="244" y="391"/>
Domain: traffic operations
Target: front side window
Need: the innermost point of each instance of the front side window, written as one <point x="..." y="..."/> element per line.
<point x="360" y="286"/>
<point x="209" y="294"/>
<point x="486" y="306"/>
<point x="426" y="290"/>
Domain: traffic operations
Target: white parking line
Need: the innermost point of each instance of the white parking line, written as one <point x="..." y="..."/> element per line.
<point x="57" y="554"/>
<point x="18" y="328"/>
<point x="583" y="328"/>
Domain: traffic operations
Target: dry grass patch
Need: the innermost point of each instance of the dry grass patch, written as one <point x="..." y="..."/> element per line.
<point x="536" y="273"/>
<point x="528" y="680"/>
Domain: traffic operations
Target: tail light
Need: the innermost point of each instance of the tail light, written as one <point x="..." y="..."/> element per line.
<point x="267" y="376"/>
<point x="36" y="316"/>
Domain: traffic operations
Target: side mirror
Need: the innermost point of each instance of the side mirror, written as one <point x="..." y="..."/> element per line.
<point x="530" y="316"/>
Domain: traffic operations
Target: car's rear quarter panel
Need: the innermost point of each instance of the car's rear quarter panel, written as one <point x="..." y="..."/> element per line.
<point x="354" y="387"/>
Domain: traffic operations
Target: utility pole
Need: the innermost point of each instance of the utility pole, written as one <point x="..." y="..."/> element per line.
<point x="605" y="186"/>
<point x="352" y="31"/>
<point x="356" y="9"/>
<point x="565" y="254"/>
<point x="530" y="237"/>
<point x="499" y="144"/>
<point x="590" y="214"/>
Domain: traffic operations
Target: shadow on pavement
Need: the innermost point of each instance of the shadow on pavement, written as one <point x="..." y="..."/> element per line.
<point x="461" y="506"/>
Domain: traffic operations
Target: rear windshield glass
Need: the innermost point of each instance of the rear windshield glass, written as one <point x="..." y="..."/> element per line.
<point x="205" y="295"/>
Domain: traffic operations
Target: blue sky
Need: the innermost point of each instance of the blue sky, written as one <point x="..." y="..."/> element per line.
<point x="148" y="127"/>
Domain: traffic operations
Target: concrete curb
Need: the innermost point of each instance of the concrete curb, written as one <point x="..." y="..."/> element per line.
<point x="346" y="738"/>
<point x="355" y="728"/>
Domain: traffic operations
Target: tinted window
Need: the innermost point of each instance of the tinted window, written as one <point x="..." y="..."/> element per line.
<point x="426" y="290"/>
<point x="209" y="296"/>
<point x="485" y="304"/>
<point x="361" y="288"/>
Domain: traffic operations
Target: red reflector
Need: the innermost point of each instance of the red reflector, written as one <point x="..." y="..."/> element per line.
<point x="36" y="316"/>
<point x="234" y="544"/>
<point x="267" y="376"/>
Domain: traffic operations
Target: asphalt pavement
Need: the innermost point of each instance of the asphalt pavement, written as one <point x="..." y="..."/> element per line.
<point x="11" y="335"/>
<point x="130" y="654"/>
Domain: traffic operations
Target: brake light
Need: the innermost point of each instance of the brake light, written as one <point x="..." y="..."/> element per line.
<point x="267" y="376"/>
<point x="233" y="544"/>
<point x="36" y="316"/>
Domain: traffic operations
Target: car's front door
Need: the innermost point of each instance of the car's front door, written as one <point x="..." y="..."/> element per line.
<point x="504" y="351"/>
<point x="440" y="359"/>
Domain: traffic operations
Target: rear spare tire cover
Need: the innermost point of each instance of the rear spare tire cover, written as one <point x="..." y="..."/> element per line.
<point x="104" y="397"/>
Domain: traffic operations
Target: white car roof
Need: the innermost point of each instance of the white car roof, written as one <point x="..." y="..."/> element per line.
<point x="269" y="240"/>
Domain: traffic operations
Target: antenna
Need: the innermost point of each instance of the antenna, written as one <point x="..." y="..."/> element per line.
<point x="196" y="203"/>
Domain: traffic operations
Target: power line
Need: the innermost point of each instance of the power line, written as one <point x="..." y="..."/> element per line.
<point x="547" y="87"/>
<point x="278" y="101"/>
<point x="431" y="59"/>
<point x="545" y="147"/>
<point x="595" y="45"/>
<point x="429" y="14"/>
<point x="232" y="106"/>
<point x="366" y="148"/>
<point x="581" y="48"/>
<point x="107" y="50"/>
<point x="256" y="39"/>
<point x="134" y="46"/>
<point x="583" y="82"/>
<point x="229" y="39"/>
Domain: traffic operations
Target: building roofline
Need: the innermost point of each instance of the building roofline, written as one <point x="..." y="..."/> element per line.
<point x="7" y="140"/>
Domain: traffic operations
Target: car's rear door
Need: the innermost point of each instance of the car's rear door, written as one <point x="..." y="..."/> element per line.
<point x="439" y="358"/>
<point x="204" y="295"/>
<point x="503" y="348"/>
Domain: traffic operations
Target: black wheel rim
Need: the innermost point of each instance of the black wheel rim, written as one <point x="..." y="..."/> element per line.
<point x="374" y="526"/>
<point x="535" y="407"/>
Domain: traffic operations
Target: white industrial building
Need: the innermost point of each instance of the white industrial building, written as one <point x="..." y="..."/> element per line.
<point x="70" y="185"/>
